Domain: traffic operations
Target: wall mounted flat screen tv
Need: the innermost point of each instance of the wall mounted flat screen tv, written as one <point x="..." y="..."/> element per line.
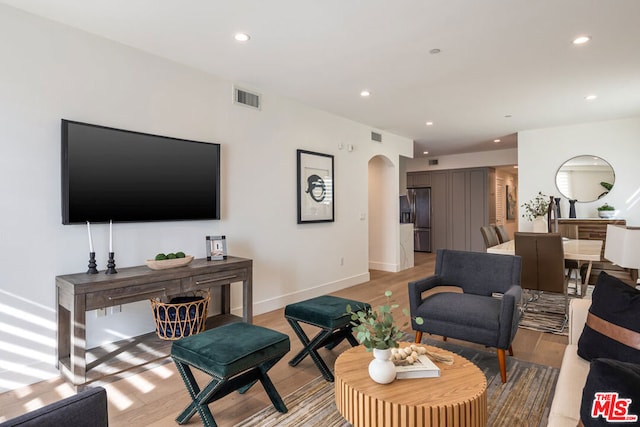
<point x="125" y="176"/>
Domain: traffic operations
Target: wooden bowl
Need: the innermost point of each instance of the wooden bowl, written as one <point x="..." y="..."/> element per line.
<point x="169" y="263"/>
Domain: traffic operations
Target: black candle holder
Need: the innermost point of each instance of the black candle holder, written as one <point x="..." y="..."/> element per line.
<point x="111" y="265"/>
<point x="572" y="208"/>
<point x="92" y="264"/>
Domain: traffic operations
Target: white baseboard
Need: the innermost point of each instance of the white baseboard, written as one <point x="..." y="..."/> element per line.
<point x="265" y="306"/>
<point x="384" y="266"/>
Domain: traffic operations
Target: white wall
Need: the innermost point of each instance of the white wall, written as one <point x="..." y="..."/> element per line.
<point x="50" y="72"/>
<point x="542" y="151"/>
<point x="493" y="158"/>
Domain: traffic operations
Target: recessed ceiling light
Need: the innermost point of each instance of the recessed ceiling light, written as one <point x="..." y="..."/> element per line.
<point x="582" y="40"/>
<point x="507" y="116"/>
<point x="365" y="93"/>
<point x="242" y="37"/>
<point x="590" y="97"/>
<point x="425" y="152"/>
<point x="435" y="51"/>
<point x="429" y="123"/>
<point x="496" y="140"/>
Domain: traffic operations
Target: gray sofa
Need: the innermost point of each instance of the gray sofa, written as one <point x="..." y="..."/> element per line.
<point x="565" y="408"/>
<point x="84" y="409"/>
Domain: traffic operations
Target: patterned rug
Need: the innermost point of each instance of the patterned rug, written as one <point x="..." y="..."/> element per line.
<point x="546" y="313"/>
<point x="523" y="401"/>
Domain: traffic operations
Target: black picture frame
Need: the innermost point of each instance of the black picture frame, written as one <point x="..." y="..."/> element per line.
<point x="315" y="187"/>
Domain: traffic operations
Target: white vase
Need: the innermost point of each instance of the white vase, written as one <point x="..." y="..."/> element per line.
<point x="381" y="368"/>
<point x="540" y="224"/>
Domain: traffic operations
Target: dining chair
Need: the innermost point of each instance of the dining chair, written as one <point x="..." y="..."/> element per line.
<point x="571" y="231"/>
<point x="490" y="236"/>
<point x="543" y="264"/>
<point x="503" y="234"/>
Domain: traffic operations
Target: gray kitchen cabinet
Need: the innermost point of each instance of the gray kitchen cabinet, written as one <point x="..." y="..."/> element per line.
<point x="462" y="201"/>
<point x="418" y="179"/>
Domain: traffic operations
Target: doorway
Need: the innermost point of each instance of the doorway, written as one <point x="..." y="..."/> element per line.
<point x="383" y="208"/>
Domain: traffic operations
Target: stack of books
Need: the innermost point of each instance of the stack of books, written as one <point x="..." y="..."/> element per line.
<point x="421" y="368"/>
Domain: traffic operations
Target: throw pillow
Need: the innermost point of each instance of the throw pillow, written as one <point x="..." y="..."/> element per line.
<point x="611" y="394"/>
<point x="613" y="324"/>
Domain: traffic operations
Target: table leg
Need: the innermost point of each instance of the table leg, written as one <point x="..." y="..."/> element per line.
<point x="583" y="292"/>
<point x="77" y="362"/>
<point x="247" y="299"/>
<point x="225" y="299"/>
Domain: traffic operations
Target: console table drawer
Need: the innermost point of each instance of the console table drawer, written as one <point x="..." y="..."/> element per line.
<point x="132" y="293"/>
<point x="214" y="279"/>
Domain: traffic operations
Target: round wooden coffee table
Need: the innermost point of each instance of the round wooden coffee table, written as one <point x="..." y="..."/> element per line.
<point x="457" y="398"/>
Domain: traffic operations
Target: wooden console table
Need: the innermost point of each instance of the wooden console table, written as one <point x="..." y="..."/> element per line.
<point x="81" y="292"/>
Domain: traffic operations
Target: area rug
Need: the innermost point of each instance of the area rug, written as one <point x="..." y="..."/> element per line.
<point x="546" y="313"/>
<point x="523" y="401"/>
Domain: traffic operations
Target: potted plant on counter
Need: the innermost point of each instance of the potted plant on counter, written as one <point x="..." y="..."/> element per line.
<point x="606" y="211"/>
<point x="377" y="331"/>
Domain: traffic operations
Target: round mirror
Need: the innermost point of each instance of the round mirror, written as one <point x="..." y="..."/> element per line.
<point x="585" y="178"/>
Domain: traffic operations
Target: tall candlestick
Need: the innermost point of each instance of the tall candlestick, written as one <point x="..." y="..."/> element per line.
<point x="110" y="236"/>
<point x="90" y="239"/>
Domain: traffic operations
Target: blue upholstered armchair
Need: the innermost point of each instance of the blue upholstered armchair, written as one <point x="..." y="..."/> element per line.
<point x="473" y="296"/>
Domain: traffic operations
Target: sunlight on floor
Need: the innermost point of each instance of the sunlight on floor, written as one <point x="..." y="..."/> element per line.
<point x="33" y="404"/>
<point x="65" y="389"/>
<point x="163" y="372"/>
<point x="139" y="382"/>
<point x="117" y="398"/>
<point x="23" y="392"/>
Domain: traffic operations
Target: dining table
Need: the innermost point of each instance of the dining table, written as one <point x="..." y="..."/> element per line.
<point x="580" y="250"/>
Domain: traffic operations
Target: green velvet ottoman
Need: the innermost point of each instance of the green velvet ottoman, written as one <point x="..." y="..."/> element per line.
<point x="236" y="355"/>
<point x="329" y="313"/>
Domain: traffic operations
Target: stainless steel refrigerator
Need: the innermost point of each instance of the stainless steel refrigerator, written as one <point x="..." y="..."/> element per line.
<point x="420" y="206"/>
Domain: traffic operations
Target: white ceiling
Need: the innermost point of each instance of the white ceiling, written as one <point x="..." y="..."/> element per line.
<point x="498" y="57"/>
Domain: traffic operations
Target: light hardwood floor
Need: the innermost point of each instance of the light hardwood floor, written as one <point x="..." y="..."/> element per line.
<point x="155" y="395"/>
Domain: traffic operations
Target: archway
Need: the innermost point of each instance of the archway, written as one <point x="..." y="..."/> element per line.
<point x="383" y="214"/>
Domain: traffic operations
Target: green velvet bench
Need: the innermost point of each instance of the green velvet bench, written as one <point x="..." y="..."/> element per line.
<point x="236" y="355"/>
<point x="329" y="313"/>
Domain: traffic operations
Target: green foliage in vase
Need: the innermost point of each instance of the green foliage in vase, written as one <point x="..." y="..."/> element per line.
<point x="536" y="207"/>
<point x="606" y="207"/>
<point x="376" y="328"/>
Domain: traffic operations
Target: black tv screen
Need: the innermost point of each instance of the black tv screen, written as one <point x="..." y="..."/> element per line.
<point x="124" y="176"/>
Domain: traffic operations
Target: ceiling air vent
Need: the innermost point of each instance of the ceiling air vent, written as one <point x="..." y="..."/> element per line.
<point x="433" y="162"/>
<point x="246" y="98"/>
<point x="376" y="137"/>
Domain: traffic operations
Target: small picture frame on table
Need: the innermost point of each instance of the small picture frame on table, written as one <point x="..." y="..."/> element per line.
<point x="216" y="248"/>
